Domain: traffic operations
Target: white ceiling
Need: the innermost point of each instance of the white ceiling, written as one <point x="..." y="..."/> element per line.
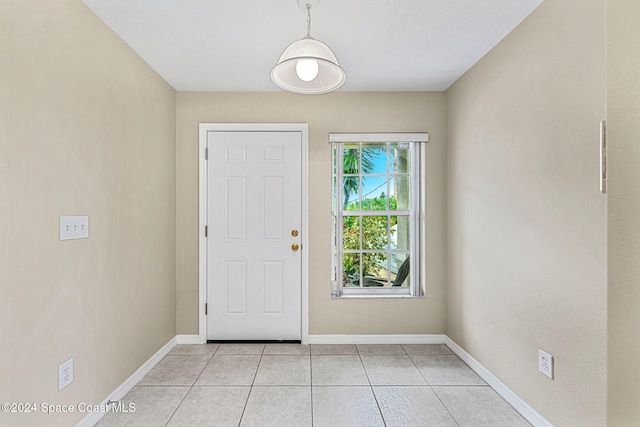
<point x="383" y="45"/>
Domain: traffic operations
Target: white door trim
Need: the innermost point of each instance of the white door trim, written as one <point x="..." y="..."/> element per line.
<point x="303" y="128"/>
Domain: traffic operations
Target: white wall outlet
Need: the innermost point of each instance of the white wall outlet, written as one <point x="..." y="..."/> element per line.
<point x="74" y="227"/>
<point x="545" y="363"/>
<point x="65" y="374"/>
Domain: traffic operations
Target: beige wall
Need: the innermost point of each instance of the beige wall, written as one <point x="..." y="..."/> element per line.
<point x="337" y="112"/>
<point x="527" y="227"/>
<point x="623" y="129"/>
<point x="86" y="128"/>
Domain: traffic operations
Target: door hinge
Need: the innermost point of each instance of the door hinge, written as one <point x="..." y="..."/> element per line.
<point x="205" y="309"/>
<point x="206" y="230"/>
<point x="206" y="154"/>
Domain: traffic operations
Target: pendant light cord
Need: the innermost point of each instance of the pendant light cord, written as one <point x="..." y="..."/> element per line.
<point x="308" y="20"/>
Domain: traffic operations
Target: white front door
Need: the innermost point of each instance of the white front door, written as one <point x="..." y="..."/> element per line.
<point x="254" y="220"/>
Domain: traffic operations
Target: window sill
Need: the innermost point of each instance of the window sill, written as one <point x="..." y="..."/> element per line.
<point x="371" y="296"/>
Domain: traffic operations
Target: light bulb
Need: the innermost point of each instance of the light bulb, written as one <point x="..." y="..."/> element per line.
<point x="307" y="69"/>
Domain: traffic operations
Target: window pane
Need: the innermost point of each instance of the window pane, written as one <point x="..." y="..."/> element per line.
<point x="400" y="269"/>
<point x="351" y="158"/>
<point x="375" y="269"/>
<point x="375" y="232"/>
<point x="351" y="233"/>
<point x="374" y="222"/>
<point x="400" y="193"/>
<point x="351" y="193"/>
<point x="374" y="158"/>
<point x="373" y="193"/>
<point x="400" y="157"/>
<point x="400" y="232"/>
<point x="351" y="270"/>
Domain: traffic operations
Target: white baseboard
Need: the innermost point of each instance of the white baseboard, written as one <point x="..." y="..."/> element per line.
<point x="189" y="339"/>
<point x="507" y="394"/>
<point x="128" y="384"/>
<point x="377" y="339"/>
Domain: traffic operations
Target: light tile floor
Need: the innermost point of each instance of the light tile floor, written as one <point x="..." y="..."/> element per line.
<point x="318" y="385"/>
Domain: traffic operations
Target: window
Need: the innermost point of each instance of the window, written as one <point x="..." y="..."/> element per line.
<point x="376" y="205"/>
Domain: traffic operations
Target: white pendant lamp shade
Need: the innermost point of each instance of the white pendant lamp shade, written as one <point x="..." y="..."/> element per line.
<point x="308" y="66"/>
<point x="296" y="68"/>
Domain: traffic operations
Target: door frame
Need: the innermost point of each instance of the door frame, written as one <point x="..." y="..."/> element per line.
<point x="303" y="128"/>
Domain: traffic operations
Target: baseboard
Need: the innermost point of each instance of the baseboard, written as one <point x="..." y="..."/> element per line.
<point x="377" y="339"/>
<point x="93" y="417"/>
<point x="189" y="339"/>
<point x="507" y="394"/>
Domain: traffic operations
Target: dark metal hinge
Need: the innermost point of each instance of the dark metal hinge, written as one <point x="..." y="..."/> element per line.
<point x="206" y="231"/>
<point x="205" y="308"/>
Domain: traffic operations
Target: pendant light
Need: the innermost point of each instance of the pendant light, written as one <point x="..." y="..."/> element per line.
<point x="308" y="66"/>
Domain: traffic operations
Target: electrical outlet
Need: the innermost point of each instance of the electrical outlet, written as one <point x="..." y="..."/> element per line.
<point x="74" y="227"/>
<point x="65" y="374"/>
<point x="545" y="363"/>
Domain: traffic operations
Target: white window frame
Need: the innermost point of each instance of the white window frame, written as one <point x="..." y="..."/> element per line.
<point x="416" y="288"/>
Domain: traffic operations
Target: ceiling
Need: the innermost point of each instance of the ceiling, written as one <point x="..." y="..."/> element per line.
<point x="383" y="45"/>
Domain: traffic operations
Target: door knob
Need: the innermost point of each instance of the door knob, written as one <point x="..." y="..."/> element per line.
<point x="295" y="247"/>
<point x="294" y="233"/>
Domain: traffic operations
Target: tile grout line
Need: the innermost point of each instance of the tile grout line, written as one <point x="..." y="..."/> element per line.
<point x="311" y="383"/>
<point x="246" y="402"/>
<point x="191" y="387"/>
<point x="416" y="366"/>
<point x="445" y="406"/>
<point x="375" y="398"/>
<point x="431" y="387"/>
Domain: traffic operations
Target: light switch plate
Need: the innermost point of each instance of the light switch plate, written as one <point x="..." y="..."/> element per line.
<point x="74" y="227"/>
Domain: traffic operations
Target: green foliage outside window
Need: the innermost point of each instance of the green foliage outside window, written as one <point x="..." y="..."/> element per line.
<point x="374" y="236"/>
<point x="372" y="232"/>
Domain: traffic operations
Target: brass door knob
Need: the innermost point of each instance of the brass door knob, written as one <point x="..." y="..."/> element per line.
<point x="295" y="247"/>
<point x="294" y="233"/>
